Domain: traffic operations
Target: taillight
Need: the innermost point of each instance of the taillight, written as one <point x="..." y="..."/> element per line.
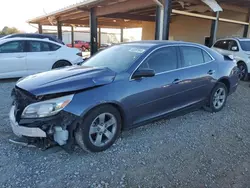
<point x="79" y="54"/>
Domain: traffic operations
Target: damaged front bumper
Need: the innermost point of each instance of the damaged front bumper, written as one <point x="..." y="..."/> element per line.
<point x="24" y="131"/>
<point x="58" y="129"/>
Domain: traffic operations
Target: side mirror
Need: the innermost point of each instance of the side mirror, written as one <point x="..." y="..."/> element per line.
<point x="234" y="48"/>
<point x="143" y="73"/>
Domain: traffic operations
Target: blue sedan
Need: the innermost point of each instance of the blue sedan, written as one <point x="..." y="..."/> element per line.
<point x="119" y="88"/>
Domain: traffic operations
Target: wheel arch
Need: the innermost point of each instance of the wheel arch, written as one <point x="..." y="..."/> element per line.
<point x="116" y="105"/>
<point x="241" y="61"/>
<point x="225" y="80"/>
<point x="61" y="60"/>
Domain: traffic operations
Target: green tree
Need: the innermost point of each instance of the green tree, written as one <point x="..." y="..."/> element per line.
<point x="9" y="30"/>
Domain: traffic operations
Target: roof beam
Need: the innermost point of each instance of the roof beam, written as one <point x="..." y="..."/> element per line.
<point x="118" y="23"/>
<point x="224" y="4"/>
<point x="125" y="6"/>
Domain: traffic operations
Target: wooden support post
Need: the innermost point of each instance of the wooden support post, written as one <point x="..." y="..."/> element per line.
<point x="93" y="31"/>
<point x="214" y="28"/>
<point x="166" y="22"/>
<point x="246" y="27"/>
<point x="122" y="35"/>
<point x="99" y="37"/>
<point x="59" y="30"/>
<point x="157" y="22"/>
<point x="40" y="29"/>
<point x="72" y="36"/>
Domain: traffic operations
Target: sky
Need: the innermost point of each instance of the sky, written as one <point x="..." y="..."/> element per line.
<point x="15" y="13"/>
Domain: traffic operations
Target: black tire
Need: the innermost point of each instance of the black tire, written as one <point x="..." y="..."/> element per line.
<point x="243" y="71"/>
<point x="82" y="133"/>
<point x="60" y="64"/>
<point x="211" y="107"/>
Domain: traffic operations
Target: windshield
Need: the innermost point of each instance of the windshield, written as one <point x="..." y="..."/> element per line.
<point x="245" y="45"/>
<point x="117" y="58"/>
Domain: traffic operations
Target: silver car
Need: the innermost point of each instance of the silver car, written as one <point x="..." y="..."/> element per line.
<point x="240" y="49"/>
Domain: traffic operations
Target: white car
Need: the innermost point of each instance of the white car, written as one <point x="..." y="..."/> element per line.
<point x="25" y="56"/>
<point x="240" y="49"/>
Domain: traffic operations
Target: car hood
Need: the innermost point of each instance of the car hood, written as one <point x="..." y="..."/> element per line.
<point x="66" y="80"/>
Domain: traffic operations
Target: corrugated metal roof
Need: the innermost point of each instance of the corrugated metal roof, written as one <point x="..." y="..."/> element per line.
<point x="65" y="9"/>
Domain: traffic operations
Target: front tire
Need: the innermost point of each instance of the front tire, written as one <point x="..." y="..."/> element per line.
<point x="99" y="129"/>
<point x="217" y="98"/>
<point x="243" y="71"/>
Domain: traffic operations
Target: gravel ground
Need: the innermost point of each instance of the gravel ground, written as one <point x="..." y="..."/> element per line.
<point x="198" y="149"/>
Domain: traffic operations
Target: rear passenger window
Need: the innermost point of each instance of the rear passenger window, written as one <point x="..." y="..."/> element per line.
<point x="38" y="46"/>
<point x="192" y="56"/>
<point x="162" y="60"/>
<point x="54" y="47"/>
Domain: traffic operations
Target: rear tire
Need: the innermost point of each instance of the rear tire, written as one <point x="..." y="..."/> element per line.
<point x="243" y="71"/>
<point x="99" y="129"/>
<point x="60" y="64"/>
<point x="217" y="98"/>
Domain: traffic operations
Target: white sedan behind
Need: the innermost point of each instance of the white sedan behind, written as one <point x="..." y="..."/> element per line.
<point x="25" y="56"/>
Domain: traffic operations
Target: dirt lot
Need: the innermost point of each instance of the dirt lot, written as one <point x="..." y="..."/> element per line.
<point x="199" y="149"/>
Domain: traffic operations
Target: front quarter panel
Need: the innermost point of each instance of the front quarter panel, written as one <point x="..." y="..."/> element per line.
<point x="86" y="100"/>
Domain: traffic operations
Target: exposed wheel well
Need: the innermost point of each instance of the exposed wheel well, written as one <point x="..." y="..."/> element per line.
<point x="226" y="82"/>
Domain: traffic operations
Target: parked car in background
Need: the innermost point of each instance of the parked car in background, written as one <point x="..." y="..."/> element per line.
<point x="25" y="56"/>
<point x="80" y="45"/>
<point x="34" y="35"/>
<point x="240" y="49"/>
<point x="121" y="87"/>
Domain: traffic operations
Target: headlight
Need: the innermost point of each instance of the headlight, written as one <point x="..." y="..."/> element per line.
<point x="46" y="108"/>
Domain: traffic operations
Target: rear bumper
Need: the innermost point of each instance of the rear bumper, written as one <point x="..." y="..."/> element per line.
<point x="24" y="131"/>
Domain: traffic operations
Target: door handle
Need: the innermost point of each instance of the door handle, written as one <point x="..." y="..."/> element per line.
<point x="176" y="81"/>
<point x="211" y="72"/>
<point x="50" y="53"/>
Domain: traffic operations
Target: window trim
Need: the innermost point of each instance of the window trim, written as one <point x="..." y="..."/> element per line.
<point x="178" y="52"/>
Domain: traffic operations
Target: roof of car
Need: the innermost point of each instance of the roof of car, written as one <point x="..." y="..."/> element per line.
<point x="23" y="38"/>
<point x="235" y="38"/>
<point x="152" y="43"/>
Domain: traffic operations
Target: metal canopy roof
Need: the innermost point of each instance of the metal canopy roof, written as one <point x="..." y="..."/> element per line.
<point x="123" y="13"/>
<point x="111" y="13"/>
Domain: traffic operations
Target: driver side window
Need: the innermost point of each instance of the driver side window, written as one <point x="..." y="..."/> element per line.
<point x="12" y="47"/>
<point x="162" y="60"/>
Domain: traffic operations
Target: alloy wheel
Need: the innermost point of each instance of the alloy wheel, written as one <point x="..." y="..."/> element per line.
<point x="242" y="73"/>
<point x="102" y="129"/>
<point x="219" y="98"/>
